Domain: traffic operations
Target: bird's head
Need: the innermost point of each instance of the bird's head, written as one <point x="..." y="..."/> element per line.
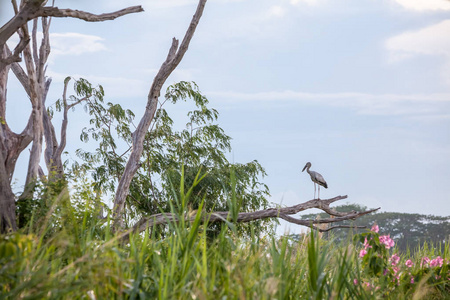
<point x="308" y="165"/>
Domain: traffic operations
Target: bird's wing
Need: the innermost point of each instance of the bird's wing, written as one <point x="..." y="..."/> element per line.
<point x="320" y="180"/>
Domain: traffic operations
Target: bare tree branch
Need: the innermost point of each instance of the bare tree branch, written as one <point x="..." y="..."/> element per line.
<point x="344" y="216"/>
<point x="34" y="40"/>
<point x="34" y="9"/>
<point x="86" y="16"/>
<point x="15" y="56"/>
<point x="342" y="226"/>
<point x="11" y="144"/>
<point x="36" y="86"/>
<point x="284" y="212"/>
<point x="22" y="76"/>
<point x="173" y="59"/>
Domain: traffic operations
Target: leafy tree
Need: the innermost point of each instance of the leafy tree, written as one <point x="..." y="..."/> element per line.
<point x="200" y="147"/>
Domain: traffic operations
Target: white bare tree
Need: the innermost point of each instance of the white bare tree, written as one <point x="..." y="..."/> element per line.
<point x="36" y="85"/>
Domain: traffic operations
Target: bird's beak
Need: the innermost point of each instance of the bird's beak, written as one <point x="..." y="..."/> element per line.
<point x="304" y="168"/>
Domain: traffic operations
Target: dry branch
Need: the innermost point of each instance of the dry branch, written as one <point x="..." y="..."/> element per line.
<point x="34" y="9"/>
<point x="284" y="212"/>
<point x="15" y="56"/>
<point x="36" y="85"/>
<point x="86" y="16"/>
<point x="173" y="59"/>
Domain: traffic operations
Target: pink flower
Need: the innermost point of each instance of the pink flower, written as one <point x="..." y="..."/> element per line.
<point x="412" y="279"/>
<point x="438" y="261"/>
<point x="362" y="253"/>
<point x="368" y="285"/>
<point x="396" y="279"/>
<point x="395" y="269"/>
<point x="385" y="272"/>
<point x="409" y="263"/>
<point x="375" y="228"/>
<point x="394" y="259"/>
<point x="425" y="260"/>
<point x="387" y="241"/>
<point x="355" y="281"/>
<point x="366" y="244"/>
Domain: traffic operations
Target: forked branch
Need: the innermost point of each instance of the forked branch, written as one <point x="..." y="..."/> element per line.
<point x="283" y="212"/>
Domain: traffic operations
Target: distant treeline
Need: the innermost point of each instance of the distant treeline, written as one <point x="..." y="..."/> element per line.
<point x="408" y="230"/>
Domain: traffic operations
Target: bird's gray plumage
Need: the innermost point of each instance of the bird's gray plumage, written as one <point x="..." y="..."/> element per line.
<point x="315" y="177"/>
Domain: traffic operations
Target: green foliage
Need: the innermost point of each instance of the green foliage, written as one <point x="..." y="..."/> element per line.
<point x="202" y="145"/>
<point x="317" y="262"/>
<point x="43" y="193"/>
<point x="84" y="260"/>
<point x="67" y="251"/>
<point x="410" y="231"/>
<point x="375" y="261"/>
<point x="384" y="269"/>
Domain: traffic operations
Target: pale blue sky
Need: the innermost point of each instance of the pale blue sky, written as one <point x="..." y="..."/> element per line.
<point x="360" y="88"/>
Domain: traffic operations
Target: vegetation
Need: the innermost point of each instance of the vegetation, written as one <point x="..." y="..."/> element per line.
<point x="410" y="231"/>
<point x="85" y="260"/>
<point x="202" y="145"/>
<point x="57" y="243"/>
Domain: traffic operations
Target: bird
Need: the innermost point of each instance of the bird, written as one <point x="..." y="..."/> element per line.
<point x="316" y="178"/>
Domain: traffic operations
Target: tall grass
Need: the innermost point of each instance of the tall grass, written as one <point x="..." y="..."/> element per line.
<point x="81" y="259"/>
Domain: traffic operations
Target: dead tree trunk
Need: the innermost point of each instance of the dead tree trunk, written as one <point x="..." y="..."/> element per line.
<point x="7" y="203"/>
<point x="53" y="149"/>
<point x="174" y="57"/>
<point x="243" y="217"/>
<point x="11" y="145"/>
<point x="36" y="85"/>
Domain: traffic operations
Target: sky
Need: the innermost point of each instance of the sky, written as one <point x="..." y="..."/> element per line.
<point x="359" y="88"/>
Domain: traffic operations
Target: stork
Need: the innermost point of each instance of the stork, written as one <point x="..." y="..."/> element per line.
<point x="316" y="178"/>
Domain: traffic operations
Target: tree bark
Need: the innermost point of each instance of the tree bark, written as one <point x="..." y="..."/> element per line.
<point x="36" y="83"/>
<point x="34" y="9"/>
<point x="7" y="204"/>
<point x="174" y="57"/>
<point x="53" y="149"/>
<point x="36" y="86"/>
<point x="221" y="216"/>
<point x="11" y="145"/>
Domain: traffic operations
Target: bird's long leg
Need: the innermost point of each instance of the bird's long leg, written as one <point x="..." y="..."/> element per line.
<point x="318" y="196"/>
<point x="314" y="190"/>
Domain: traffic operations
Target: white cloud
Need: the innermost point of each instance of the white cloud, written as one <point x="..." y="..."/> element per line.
<point x="276" y="11"/>
<point x="68" y="43"/>
<point x="421" y="5"/>
<point x="431" y="40"/>
<point x="368" y="104"/>
<point x="72" y="43"/>
<point x="308" y="2"/>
